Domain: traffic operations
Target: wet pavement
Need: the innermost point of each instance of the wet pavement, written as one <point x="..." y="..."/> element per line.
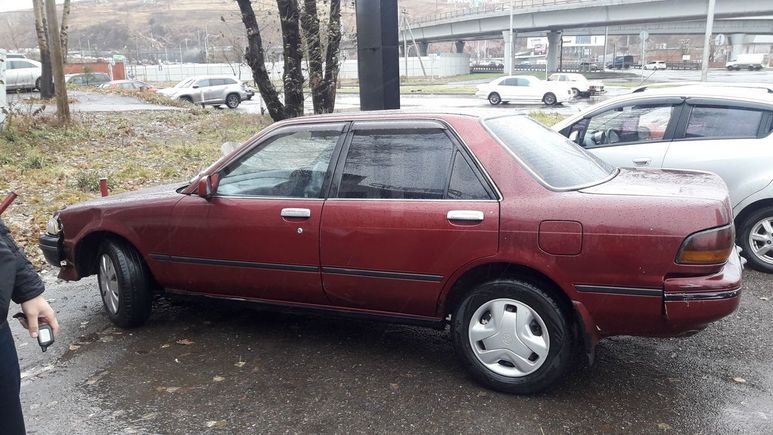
<point x="204" y="367"/>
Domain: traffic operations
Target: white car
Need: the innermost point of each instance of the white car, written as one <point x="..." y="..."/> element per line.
<point x="525" y="89"/>
<point x="22" y="74"/>
<point x="726" y="130"/>
<point x="581" y="86"/>
<point x="656" y="64"/>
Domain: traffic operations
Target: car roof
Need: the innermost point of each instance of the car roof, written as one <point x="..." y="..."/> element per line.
<point x="705" y="88"/>
<point x="380" y="115"/>
<point x="726" y="93"/>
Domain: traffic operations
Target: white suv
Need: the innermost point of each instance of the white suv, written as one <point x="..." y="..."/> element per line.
<point x="726" y="130"/>
<point x="21" y="74"/>
<point x="210" y="90"/>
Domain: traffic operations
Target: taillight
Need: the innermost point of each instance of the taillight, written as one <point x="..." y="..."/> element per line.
<point x="712" y="246"/>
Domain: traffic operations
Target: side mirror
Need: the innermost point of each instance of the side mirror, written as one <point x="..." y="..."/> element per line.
<point x="206" y="187"/>
<point x="195" y="86"/>
<point x="228" y="147"/>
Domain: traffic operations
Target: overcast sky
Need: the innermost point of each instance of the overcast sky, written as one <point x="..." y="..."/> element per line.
<point x="15" y="5"/>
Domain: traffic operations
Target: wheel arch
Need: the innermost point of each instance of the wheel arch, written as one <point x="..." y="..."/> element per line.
<point x="750" y="209"/>
<point x="86" y="251"/>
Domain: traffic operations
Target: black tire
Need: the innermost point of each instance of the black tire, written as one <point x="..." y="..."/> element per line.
<point x="187" y="99"/>
<point x="550" y="99"/>
<point x="744" y="232"/>
<point x="560" y="351"/>
<point x="134" y="284"/>
<point x="494" y="99"/>
<point x="576" y="92"/>
<point x="233" y="101"/>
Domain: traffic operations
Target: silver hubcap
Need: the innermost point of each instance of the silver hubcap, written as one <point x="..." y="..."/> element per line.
<point x="509" y="337"/>
<point x="108" y="283"/>
<point x="761" y="240"/>
<point x="232" y="101"/>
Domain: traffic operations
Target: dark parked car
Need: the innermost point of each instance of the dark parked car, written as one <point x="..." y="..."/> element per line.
<point x="87" y="79"/>
<point x="529" y="247"/>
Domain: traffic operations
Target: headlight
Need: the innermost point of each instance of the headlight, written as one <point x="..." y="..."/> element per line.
<point x="54" y="227"/>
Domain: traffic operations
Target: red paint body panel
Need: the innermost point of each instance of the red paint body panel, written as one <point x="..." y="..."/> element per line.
<point x="624" y="233"/>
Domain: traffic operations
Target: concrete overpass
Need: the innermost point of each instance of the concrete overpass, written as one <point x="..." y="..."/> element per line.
<point x="581" y="16"/>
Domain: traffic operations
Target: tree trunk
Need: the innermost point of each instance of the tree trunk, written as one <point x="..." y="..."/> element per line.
<point x="65" y="28"/>
<point x="332" y="64"/>
<point x="46" y="83"/>
<point x="57" y="64"/>
<point x="293" y="56"/>
<point x="310" y="24"/>
<point x="256" y="60"/>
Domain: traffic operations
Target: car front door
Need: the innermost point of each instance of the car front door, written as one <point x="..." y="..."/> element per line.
<point x="257" y="237"/>
<point x="199" y="88"/>
<point x="727" y="139"/>
<point x="630" y="134"/>
<point x="214" y="92"/>
<point x="408" y="207"/>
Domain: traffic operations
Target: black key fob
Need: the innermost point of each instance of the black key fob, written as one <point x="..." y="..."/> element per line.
<point x="45" y="336"/>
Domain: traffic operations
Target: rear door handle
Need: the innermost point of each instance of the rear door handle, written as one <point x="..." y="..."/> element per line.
<point x="296" y="213"/>
<point x="642" y="161"/>
<point x="465" y="215"/>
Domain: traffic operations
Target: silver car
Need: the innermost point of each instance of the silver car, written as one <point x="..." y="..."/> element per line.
<point x="209" y="90"/>
<point x="727" y="130"/>
<point x="22" y="74"/>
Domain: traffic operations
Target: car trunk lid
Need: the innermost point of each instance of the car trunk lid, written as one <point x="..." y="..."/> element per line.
<point x="664" y="183"/>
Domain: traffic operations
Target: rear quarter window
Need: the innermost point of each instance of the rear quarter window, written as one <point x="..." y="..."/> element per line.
<point x="718" y="122"/>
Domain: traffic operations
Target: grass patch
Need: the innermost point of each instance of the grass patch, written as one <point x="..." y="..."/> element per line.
<point x="547" y="118"/>
<point x="51" y="166"/>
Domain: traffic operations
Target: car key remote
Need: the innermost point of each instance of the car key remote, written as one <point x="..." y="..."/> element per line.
<point x="45" y="333"/>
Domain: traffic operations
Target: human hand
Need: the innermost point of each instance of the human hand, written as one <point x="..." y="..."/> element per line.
<point x="38" y="308"/>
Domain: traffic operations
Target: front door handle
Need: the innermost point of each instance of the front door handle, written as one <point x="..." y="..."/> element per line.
<point x="642" y="161"/>
<point x="465" y="215"/>
<point x="304" y="213"/>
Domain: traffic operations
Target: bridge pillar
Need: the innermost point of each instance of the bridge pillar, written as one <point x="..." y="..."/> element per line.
<point x="737" y="41"/>
<point x="508" y="52"/>
<point x="554" y="50"/>
<point x="423" y="47"/>
<point x="459" y="47"/>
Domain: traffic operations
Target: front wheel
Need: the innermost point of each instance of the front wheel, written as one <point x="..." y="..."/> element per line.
<point x="494" y="99"/>
<point x="124" y="283"/>
<point x="550" y="99"/>
<point x="756" y="239"/>
<point x="512" y="337"/>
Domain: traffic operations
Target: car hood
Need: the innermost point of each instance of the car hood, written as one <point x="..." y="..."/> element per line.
<point x="664" y="183"/>
<point x="142" y="195"/>
<point x="168" y="91"/>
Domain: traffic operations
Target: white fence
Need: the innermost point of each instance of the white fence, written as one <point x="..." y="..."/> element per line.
<point x="436" y="65"/>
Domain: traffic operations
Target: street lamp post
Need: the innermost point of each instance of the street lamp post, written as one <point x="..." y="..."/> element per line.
<point x="510" y="36"/>
<point x="707" y="41"/>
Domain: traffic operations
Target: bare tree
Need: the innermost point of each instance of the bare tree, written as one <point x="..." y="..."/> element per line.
<point x="64" y="32"/>
<point x="57" y="62"/>
<point x="46" y="85"/>
<point x="323" y="85"/>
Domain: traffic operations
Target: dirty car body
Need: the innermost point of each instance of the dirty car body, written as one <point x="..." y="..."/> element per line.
<point x="529" y="247"/>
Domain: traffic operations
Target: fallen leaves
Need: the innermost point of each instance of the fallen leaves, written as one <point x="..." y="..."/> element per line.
<point x="218" y="379"/>
<point x="184" y="342"/>
<point x="217" y="424"/>
<point x="739" y="380"/>
<point x="167" y="389"/>
<point x="664" y="426"/>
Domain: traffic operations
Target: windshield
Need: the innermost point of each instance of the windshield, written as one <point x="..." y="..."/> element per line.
<point x="555" y="160"/>
<point x="185" y="83"/>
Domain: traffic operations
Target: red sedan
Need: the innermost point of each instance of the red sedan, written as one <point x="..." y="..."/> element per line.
<point x="527" y="246"/>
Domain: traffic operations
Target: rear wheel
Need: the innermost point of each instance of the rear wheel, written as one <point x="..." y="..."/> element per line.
<point x="549" y="99"/>
<point x="512" y="336"/>
<point x="494" y="99"/>
<point x="233" y="101"/>
<point x="756" y="239"/>
<point x="124" y="283"/>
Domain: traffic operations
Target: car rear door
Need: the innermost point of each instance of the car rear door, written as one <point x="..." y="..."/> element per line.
<point x="630" y="134"/>
<point x="258" y="236"/>
<point x="731" y="139"/>
<point x="214" y="92"/>
<point x="199" y="88"/>
<point x="408" y="207"/>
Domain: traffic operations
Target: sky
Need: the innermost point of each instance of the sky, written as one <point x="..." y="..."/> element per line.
<point x="15" y="5"/>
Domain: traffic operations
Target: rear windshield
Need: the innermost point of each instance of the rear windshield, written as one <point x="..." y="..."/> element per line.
<point x="555" y="160"/>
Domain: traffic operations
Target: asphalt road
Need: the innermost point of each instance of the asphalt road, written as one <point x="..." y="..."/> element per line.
<point x="199" y="367"/>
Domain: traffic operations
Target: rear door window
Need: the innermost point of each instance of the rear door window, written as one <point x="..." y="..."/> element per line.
<point x="464" y="183"/>
<point x="709" y="122"/>
<point x="397" y="164"/>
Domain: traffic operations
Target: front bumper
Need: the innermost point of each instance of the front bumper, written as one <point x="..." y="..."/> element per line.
<point x="53" y="249"/>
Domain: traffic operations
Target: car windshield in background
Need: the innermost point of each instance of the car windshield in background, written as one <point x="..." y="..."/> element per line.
<point x="555" y="160"/>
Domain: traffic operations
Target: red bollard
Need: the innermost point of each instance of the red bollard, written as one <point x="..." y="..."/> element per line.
<point x="103" y="186"/>
<point x="7" y="202"/>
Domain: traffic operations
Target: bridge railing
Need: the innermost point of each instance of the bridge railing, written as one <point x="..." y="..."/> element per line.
<point x="498" y="7"/>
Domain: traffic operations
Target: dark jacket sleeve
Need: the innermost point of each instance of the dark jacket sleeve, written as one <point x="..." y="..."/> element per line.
<point x="18" y="279"/>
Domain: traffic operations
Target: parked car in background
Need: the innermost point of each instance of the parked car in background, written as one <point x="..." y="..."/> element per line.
<point x="655" y="64"/>
<point x="527" y="245"/>
<point x="621" y="62"/>
<point x="129" y="84"/>
<point x="525" y="89"/>
<point x="581" y="86"/>
<point x="750" y="61"/>
<point x="22" y="74"/>
<point x="589" y="66"/>
<point x="15" y="56"/>
<point x="726" y="130"/>
<point x="87" y="79"/>
<point x="210" y="90"/>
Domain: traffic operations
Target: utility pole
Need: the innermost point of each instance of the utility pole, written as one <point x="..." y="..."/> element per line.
<point x="707" y="41"/>
<point x="606" y="39"/>
<point x="512" y="48"/>
<point x="57" y="63"/>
